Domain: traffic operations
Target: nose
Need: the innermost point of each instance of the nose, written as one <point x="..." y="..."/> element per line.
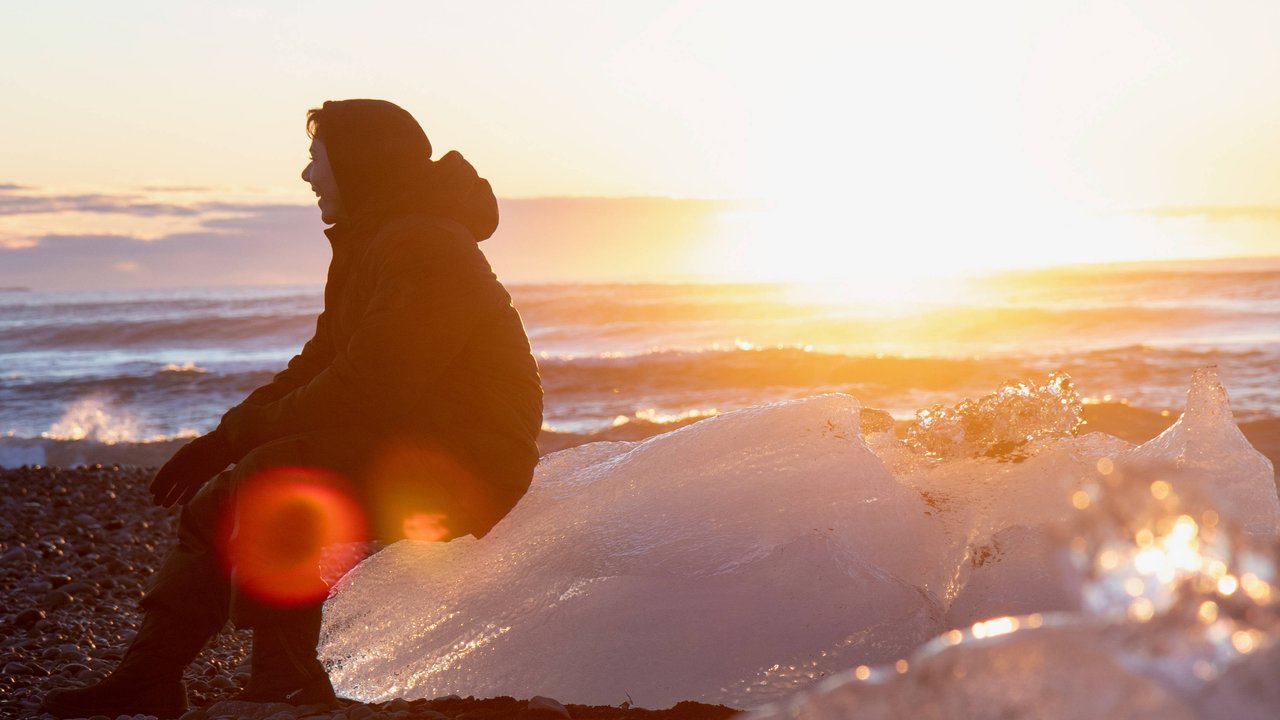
<point x="306" y="173"/>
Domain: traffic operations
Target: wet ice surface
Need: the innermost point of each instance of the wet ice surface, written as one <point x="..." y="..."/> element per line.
<point x="743" y="558"/>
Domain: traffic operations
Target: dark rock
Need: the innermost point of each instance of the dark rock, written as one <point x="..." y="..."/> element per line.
<point x="250" y="710"/>
<point x="544" y="707"/>
<point x="14" y="555"/>
<point x="221" y="682"/>
<point x="77" y="588"/>
<point x="36" y="587"/>
<point x="30" y="616"/>
<point x="56" y="599"/>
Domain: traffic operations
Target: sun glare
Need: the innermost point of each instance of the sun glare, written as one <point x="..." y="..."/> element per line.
<point x="862" y="255"/>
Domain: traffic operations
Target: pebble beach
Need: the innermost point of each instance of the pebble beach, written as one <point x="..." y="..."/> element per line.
<point x="76" y="548"/>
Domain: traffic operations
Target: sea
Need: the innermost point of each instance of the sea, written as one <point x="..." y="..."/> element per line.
<point x="146" y="366"/>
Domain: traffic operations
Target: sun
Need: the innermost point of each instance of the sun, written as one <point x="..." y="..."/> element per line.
<point x="877" y="252"/>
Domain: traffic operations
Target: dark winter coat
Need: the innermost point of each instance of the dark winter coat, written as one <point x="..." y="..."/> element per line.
<point x="418" y="343"/>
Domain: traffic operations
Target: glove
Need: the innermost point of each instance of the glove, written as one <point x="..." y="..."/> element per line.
<point x="190" y="468"/>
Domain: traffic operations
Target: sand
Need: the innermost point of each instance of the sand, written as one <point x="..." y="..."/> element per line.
<point x="77" y="544"/>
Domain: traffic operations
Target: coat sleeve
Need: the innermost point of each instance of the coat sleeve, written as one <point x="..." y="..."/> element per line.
<point x="315" y="356"/>
<point x="427" y="299"/>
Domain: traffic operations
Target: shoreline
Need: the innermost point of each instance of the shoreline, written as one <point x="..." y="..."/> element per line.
<point x="1130" y="423"/>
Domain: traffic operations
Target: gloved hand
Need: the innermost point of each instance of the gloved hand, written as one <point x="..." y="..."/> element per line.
<point x="190" y="468"/>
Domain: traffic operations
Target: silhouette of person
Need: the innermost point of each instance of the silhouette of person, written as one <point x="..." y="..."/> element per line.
<point x="413" y="411"/>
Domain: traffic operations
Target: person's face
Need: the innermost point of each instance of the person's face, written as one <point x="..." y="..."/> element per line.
<point x="319" y="175"/>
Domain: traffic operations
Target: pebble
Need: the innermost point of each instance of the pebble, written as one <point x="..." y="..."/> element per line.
<point x="222" y="682"/>
<point x="55" y="599"/>
<point x="77" y="588"/>
<point x="14" y="555"/>
<point x="30" y="616"/>
<point x="540" y="706"/>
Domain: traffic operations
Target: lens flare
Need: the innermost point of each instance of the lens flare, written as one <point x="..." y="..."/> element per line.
<point x="425" y="526"/>
<point x="424" y="491"/>
<point x="282" y="520"/>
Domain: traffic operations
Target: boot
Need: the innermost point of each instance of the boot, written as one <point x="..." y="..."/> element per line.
<point x="284" y="663"/>
<point x="148" y="680"/>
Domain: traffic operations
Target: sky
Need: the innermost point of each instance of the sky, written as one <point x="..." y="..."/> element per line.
<point x="149" y="143"/>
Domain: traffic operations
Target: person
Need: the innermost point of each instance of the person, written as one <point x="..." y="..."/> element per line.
<point x="417" y="402"/>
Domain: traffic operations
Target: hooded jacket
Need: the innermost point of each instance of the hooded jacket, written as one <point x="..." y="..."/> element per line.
<point x="417" y="338"/>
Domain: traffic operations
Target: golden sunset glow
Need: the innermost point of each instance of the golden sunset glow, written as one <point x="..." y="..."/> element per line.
<point x="877" y="145"/>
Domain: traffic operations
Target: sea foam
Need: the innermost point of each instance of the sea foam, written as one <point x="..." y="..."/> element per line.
<point x="743" y="558"/>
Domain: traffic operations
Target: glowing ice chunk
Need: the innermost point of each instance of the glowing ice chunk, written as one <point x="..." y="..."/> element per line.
<point x="733" y="560"/>
<point x="748" y="555"/>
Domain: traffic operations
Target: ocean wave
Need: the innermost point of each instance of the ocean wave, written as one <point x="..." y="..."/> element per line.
<point x="206" y="330"/>
<point x="589" y="392"/>
<point x="743" y="365"/>
<point x="187" y="367"/>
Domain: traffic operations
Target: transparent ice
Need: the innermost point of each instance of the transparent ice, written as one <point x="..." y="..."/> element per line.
<point x="778" y="558"/>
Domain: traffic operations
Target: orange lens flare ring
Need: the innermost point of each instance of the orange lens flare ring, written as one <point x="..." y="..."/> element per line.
<point x="275" y="532"/>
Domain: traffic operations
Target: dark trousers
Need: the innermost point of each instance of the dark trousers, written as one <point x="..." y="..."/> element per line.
<point x="195" y="581"/>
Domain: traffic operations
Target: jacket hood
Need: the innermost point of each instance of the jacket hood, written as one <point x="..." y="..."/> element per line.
<point x="381" y="161"/>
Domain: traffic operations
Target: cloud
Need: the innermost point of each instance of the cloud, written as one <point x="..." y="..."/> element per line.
<point x="67" y="241"/>
<point x="32" y="217"/>
<point x="21" y="200"/>
<point x="175" y="189"/>
<point x="51" y="240"/>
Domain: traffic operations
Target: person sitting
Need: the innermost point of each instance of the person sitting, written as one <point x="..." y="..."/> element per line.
<point x="417" y="402"/>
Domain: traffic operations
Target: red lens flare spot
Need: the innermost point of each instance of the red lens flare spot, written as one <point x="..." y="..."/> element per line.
<point x="282" y="520"/>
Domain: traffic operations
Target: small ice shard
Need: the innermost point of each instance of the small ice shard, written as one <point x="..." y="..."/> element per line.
<point x="1067" y="672"/>
<point x="1212" y="462"/>
<point x="1020" y="570"/>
